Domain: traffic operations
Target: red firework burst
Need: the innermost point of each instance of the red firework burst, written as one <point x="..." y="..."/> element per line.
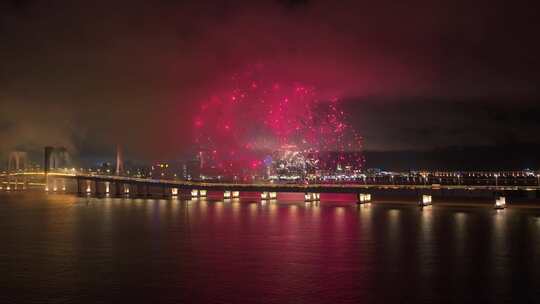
<point x="237" y="128"/>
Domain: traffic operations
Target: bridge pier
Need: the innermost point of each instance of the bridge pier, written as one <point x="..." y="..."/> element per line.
<point x="164" y="191"/>
<point x="235" y="194"/>
<point x="96" y="187"/>
<point x="265" y="195"/>
<point x="312" y="197"/>
<point x="426" y="200"/>
<point x="118" y="189"/>
<point x="226" y="194"/>
<point x="198" y="193"/>
<point x="77" y="180"/>
<point x="363" y="198"/>
<point x="88" y="190"/>
<point x="126" y="189"/>
<point x="500" y="202"/>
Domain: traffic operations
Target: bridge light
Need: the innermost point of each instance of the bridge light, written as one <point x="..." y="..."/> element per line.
<point x="426" y="200"/>
<point x="500" y="202"/>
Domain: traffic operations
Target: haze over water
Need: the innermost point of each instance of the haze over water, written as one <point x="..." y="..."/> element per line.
<point x="61" y="248"/>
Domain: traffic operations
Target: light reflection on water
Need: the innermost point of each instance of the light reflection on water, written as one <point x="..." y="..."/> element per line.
<point x="242" y="250"/>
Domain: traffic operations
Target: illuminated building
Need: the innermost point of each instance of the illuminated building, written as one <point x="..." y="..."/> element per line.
<point x="162" y="170"/>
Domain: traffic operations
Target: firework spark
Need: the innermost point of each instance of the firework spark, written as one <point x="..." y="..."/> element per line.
<point x="237" y="129"/>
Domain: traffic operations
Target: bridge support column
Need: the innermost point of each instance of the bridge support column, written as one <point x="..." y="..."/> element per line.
<point x="77" y="180"/>
<point x="226" y="194"/>
<point x="96" y="187"/>
<point x="126" y="189"/>
<point x="425" y="200"/>
<point x="24" y="183"/>
<point x="107" y="188"/>
<point x="174" y="192"/>
<point x="54" y="184"/>
<point x="198" y="193"/>
<point x="265" y="195"/>
<point x="164" y="191"/>
<point x="88" y="187"/>
<point x="311" y="197"/>
<point x="500" y="202"/>
<point x="64" y="187"/>
<point x="118" y="189"/>
<point x="235" y="194"/>
<point x="272" y="195"/>
<point x="363" y="198"/>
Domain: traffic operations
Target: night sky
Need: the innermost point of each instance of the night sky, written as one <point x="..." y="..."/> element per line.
<point x="438" y="84"/>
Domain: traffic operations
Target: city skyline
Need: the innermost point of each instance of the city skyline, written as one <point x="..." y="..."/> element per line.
<point x="444" y="91"/>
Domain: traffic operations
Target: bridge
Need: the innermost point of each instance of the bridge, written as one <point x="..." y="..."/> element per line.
<point x="105" y="185"/>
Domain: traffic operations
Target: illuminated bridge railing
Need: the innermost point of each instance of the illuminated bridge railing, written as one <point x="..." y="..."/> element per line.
<point x="393" y="184"/>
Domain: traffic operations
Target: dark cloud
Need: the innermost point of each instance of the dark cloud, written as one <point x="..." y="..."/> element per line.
<point x="422" y="74"/>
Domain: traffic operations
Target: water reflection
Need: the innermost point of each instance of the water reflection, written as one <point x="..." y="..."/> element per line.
<point x="244" y="249"/>
<point x="366" y="215"/>
<point x="393" y="226"/>
<point x="460" y="233"/>
<point x="500" y="244"/>
<point x="426" y="245"/>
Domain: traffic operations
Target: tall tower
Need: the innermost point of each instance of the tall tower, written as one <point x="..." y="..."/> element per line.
<point x="47" y="159"/>
<point x="119" y="160"/>
<point x="55" y="158"/>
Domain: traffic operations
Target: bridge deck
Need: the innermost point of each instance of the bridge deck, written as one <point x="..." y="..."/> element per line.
<point x="276" y="187"/>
